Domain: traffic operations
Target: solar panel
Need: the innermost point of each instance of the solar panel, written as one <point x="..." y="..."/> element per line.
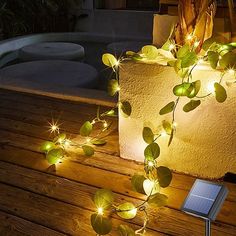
<point x="205" y="199"/>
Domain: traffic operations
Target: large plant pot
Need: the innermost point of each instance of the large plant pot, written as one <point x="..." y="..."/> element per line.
<point x="205" y="141"/>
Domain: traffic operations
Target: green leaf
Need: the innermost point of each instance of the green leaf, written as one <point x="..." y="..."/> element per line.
<point x="86" y="129"/>
<point x="171" y="63"/>
<point x="113" y="87"/>
<point x="189" y="60"/>
<point x="54" y="155"/>
<point x="60" y="138"/>
<point x="191" y="105"/>
<point x="183" y="51"/>
<point x="111" y="113"/>
<point x="208" y="43"/>
<point x="126" y="211"/>
<point x="100" y="224"/>
<point x="125" y="230"/>
<point x="196" y="88"/>
<point x="137" y="183"/>
<point x="103" y="198"/>
<point x="213" y="58"/>
<point x="166" y="45"/>
<point x="228" y="60"/>
<point x="158" y="200"/>
<point x="167" y="126"/>
<point x="151" y="187"/>
<point x="47" y="146"/>
<point x="88" y="150"/>
<point x="148" y="135"/>
<point x="137" y="57"/>
<point x="98" y="142"/>
<point x="220" y="93"/>
<point x="184" y="89"/>
<point x="152" y="151"/>
<point x="164" y="176"/>
<point x="125" y="108"/>
<point x="167" y="108"/>
<point x="109" y="60"/>
<point x="150" y="52"/>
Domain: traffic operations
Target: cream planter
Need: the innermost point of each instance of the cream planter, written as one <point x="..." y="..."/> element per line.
<point x="205" y="141"/>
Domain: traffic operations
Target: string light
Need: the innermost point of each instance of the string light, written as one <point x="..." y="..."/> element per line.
<point x="67" y="143"/>
<point x="54" y="128"/>
<point x="211" y="87"/>
<point x="118" y="89"/>
<point x="105" y="124"/>
<point x="189" y="37"/>
<point x="133" y="211"/>
<point x="100" y="211"/>
<point x="196" y="44"/>
<point x="231" y="71"/>
<point x="163" y="134"/>
<point x="93" y="122"/>
<point x="174" y="124"/>
<point x="88" y="139"/>
<point x="172" y="46"/>
<point x="150" y="163"/>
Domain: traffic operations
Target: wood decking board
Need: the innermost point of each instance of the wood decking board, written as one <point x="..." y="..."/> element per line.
<point x="64" y="195"/>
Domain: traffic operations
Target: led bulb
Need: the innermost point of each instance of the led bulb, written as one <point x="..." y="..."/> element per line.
<point x="174" y="124"/>
<point x="67" y="143"/>
<point x="93" y="122"/>
<point x="133" y="211"/>
<point x="196" y="44"/>
<point x="150" y="163"/>
<point x="88" y="140"/>
<point x="189" y="37"/>
<point x="231" y="71"/>
<point x="211" y="87"/>
<point x="100" y="211"/>
<point x="163" y="134"/>
<point x="171" y="47"/>
<point x="105" y="124"/>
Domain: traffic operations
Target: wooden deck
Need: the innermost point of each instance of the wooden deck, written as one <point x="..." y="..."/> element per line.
<point x="37" y="200"/>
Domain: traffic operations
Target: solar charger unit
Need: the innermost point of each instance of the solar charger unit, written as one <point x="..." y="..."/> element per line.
<point x="205" y="200"/>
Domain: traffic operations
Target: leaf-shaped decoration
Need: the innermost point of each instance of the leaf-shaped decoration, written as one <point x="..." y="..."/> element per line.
<point x="164" y="176"/>
<point x="228" y="60"/>
<point x="47" y="146"/>
<point x="127" y="211"/>
<point x="150" y="52"/>
<point x="213" y="58"/>
<point x="184" y="89"/>
<point x="88" y="150"/>
<point x="86" y="129"/>
<point x="137" y="183"/>
<point x="111" y="113"/>
<point x="158" y="200"/>
<point x="220" y="93"/>
<point x="167" y="108"/>
<point x="137" y="57"/>
<point x="125" y="230"/>
<point x="60" y="138"/>
<point x="54" y="155"/>
<point x="167" y="126"/>
<point x="193" y="104"/>
<point x="101" y="225"/>
<point x="98" y="142"/>
<point x="148" y="135"/>
<point x="113" y="87"/>
<point x="125" y="108"/>
<point x="103" y="198"/>
<point x="166" y="45"/>
<point x="183" y="51"/>
<point x="151" y="187"/>
<point x="189" y="60"/>
<point x="152" y="151"/>
<point x="196" y="88"/>
<point x="109" y="60"/>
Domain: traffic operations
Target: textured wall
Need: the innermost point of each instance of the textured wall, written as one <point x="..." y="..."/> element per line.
<point x="205" y="141"/>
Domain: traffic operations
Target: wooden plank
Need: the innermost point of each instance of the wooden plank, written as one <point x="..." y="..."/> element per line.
<point x="11" y="225"/>
<point x="51" y="213"/>
<point x="69" y="192"/>
<point x="120" y="184"/>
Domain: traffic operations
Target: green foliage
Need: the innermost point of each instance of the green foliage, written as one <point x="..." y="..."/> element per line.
<point x="152" y="151"/>
<point x="113" y="87"/>
<point x="111" y="113"/>
<point x="126" y="211"/>
<point x="164" y="176"/>
<point x="98" y="142"/>
<point x="101" y="225"/>
<point x="220" y="93"/>
<point x="148" y="135"/>
<point x="109" y="60"/>
<point x="196" y="86"/>
<point x="228" y="60"/>
<point x="137" y="183"/>
<point x="125" y="108"/>
<point x="60" y="138"/>
<point x="188" y="57"/>
<point x="193" y="104"/>
<point x="125" y="230"/>
<point x="47" y="146"/>
<point x="103" y="198"/>
<point x="213" y="58"/>
<point x="88" y="150"/>
<point x="184" y="89"/>
<point x="158" y="200"/>
<point x="167" y="126"/>
<point x="54" y="155"/>
<point x="166" y="45"/>
<point x="86" y="129"/>
<point x="150" y="52"/>
<point x="167" y="108"/>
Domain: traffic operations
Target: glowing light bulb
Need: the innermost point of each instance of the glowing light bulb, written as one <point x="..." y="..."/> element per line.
<point x="67" y="143"/>
<point x="133" y="211"/>
<point x="196" y="44"/>
<point x="117" y="63"/>
<point x="150" y="163"/>
<point x="189" y="37"/>
<point x="105" y="124"/>
<point x="88" y="140"/>
<point x="171" y="47"/>
<point x="220" y="57"/>
<point x="93" y="122"/>
<point x="163" y="134"/>
<point x="231" y="71"/>
<point x="200" y="61"/>
<point x="174" y="124"/>
<point x="100" y="211"/>
<point x="211" y="87"/>
<point x="118" y="89"/>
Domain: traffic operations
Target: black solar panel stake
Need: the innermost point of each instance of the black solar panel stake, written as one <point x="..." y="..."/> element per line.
<point x="205" y="200"/>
